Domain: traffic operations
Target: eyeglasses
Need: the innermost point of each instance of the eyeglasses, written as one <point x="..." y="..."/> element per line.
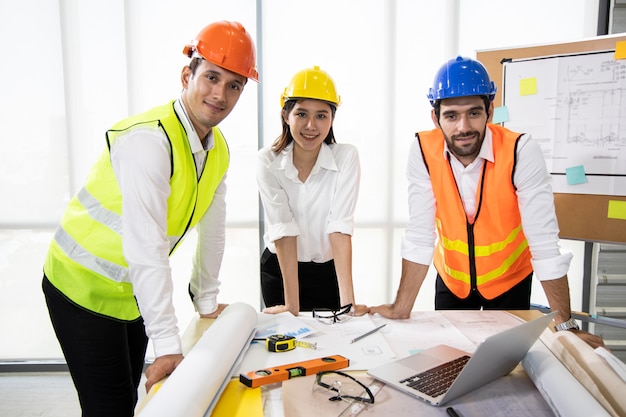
<point x="330" y="316"/>
<point x="343" y="387"/>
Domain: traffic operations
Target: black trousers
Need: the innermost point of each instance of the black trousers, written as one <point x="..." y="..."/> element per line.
<point x="105" y="356"/>
<point x="517" y="298"/>
<point x="317" y="283"/>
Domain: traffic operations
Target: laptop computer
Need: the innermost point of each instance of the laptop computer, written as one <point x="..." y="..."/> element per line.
<point x="443" y="373"/>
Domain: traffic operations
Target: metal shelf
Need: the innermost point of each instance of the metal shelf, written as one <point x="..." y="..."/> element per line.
<point x="608" y="294"/>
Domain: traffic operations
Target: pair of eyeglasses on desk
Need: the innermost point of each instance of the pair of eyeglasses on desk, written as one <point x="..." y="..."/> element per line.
<point x="343" y="387"/>
<point x="330" y="316"/>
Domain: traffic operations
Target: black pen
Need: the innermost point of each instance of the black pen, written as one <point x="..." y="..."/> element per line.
<point x="356" y="339"/>
<point x="452" y="412"/>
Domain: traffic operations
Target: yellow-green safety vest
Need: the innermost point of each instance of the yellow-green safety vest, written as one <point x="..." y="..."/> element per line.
<point x="85" y="260"/>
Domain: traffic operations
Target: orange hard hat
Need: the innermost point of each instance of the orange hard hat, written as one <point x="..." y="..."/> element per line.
<point x="228" y="45"/>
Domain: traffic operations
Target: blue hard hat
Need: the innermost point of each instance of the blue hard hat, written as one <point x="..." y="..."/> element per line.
<point x="460" y="77"/>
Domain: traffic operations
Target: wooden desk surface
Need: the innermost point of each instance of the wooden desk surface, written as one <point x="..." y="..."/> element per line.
<point x="527" y="314"/>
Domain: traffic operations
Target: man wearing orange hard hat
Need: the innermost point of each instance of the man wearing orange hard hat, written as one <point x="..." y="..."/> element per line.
<point x="107" y="277"/>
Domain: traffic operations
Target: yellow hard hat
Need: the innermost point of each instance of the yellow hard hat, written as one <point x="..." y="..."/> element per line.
<point x="311" y="83"/>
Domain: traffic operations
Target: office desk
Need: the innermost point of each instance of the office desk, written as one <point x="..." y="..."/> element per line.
<point x="515" y="390"/>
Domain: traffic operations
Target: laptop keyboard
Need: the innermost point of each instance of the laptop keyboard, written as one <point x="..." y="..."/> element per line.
<point x="437" y="380"/>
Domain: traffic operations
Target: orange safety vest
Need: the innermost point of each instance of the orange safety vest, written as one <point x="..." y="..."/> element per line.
<point x="491" y="253"/>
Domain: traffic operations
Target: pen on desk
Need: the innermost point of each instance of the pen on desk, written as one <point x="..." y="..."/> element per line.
<point x="356" y="339"/>
<point x="452" y="412"/>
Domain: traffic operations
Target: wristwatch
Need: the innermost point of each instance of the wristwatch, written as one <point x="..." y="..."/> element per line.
<point x="567" y="325"/>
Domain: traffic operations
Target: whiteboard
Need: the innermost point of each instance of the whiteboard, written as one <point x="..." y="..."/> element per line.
<point x="574" y="106"/>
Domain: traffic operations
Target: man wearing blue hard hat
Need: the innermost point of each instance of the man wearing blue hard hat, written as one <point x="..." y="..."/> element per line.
<point x="481" y="208"/>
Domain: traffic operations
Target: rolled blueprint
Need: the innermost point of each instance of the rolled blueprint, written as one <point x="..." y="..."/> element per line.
<point x="565" y="395"/>
<point x="591" y="370"/>
<point x="194" y="387"/>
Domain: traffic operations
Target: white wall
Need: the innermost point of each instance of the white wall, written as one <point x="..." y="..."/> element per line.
<point x="72" y="68"/>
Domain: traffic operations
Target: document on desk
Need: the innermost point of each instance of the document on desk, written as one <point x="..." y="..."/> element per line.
<point x="555" y="391"/>
<point x="330" y="340"/>
<point x="284" y="323"/>
<point x="477" y="325"/>
<point x="423" y="330"/>
<point x="513" y="396"/>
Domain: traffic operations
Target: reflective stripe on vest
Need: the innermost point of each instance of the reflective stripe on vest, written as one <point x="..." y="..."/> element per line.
<point x="85" y="260"/>
<point x="491" y="254"/>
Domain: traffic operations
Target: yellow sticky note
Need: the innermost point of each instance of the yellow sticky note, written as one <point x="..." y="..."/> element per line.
<point x="620" y="50"/>
<point x="617" y="210"/>
<point x="528" y="86"/>
<point x="237" y="400"/>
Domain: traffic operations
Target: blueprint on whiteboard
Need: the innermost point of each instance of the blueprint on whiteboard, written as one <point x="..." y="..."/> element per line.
<point x="575" y="107"/>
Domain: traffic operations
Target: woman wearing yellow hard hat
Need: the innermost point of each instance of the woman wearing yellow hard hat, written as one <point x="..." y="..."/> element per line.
<point x="309" y="186"/>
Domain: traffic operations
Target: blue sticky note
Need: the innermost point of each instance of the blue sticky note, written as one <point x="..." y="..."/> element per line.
<point x="575" y="175"/>
<point x="500" y="114"/>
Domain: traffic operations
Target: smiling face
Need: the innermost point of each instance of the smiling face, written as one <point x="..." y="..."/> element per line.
<point x="309" y="123"/>
<point x="209" y="93"/>
<point x="463" y="121"/>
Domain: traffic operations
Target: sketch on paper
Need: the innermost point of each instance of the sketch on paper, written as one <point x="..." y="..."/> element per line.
<point x="577" y="114"/>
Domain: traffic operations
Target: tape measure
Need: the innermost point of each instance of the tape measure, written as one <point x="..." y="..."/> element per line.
<point x="280" y="343"/>
<point x="284" y="343"/>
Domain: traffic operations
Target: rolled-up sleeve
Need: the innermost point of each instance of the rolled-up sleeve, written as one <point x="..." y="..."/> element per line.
<point x="420" y="236"/>
<point x="341" y="215"/>
<point x="536" y="204"/>
<point x="274" y="198"/>
<point x="207" y="262"/>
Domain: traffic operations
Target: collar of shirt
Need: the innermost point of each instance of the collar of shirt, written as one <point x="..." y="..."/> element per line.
<point x="468" y="177"/>
<point x="284" y="161"/>
<point x="194" y="141"/>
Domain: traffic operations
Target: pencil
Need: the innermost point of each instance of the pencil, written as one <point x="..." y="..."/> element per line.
<point x="356" y="339"/>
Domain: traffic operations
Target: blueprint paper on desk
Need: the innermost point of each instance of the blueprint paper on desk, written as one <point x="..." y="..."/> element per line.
<point x="284" y="323"/>
<point x="423" y="330"/>
<point x="597" y="379"/>
<point x="330" y="340"/>
<point x="513" y="396"/>
<point x="566" y="396"/>
<point x="477" y="325"/>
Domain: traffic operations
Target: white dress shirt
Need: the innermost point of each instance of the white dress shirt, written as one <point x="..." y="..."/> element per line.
<point x="141" y="162"/>
<point x="323" y="204"/>
<point x="535" y="201"/>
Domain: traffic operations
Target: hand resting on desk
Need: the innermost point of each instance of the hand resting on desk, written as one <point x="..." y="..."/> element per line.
<point x="389" y="311"/>
<point x="359" y="310"/>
